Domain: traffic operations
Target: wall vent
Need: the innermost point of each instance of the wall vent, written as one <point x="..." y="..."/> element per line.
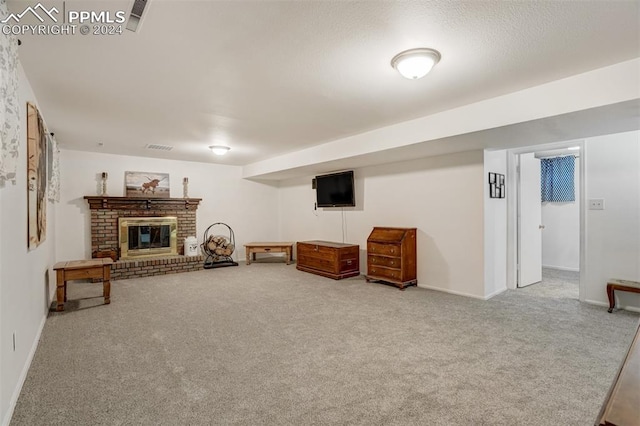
<point x="160" y="147"/>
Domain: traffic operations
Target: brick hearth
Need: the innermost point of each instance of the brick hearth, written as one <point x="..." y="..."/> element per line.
<point x="124" y="269"/>
<point x="105" y="212"/>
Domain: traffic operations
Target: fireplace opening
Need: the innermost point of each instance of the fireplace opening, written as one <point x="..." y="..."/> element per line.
<point x="147" y="236"/>
<point x="144" y="237"/>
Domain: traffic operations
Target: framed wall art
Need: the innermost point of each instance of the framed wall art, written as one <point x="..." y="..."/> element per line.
<point x="147" y="184"/>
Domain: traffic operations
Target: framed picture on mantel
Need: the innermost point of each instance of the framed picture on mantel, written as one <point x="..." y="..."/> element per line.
<point x="147" y="184"/>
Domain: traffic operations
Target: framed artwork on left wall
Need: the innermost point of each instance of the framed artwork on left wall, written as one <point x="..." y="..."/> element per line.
<point x="36" y="177"/>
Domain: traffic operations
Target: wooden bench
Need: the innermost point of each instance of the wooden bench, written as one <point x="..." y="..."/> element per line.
<point x="620" y="285"/>
<point x="253" y="248"/>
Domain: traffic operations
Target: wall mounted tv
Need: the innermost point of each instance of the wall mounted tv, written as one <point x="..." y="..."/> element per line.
<point x="335" y="190"/>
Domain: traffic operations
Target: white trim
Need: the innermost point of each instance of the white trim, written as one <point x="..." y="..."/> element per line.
<point x="582" y="285"/>
<point x="23" y="375"/>
<point x="626" y="308"/>
<point x="512" y="211"/>
<point x="457" y="293"/>
<point x="561" y="268"/>
<point x="495" y="293"/>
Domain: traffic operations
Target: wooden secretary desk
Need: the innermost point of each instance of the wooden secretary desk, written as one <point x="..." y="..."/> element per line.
<point x="391" y="256"/>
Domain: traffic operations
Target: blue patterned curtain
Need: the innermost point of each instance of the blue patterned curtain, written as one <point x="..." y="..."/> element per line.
<point x="556" y="176"/>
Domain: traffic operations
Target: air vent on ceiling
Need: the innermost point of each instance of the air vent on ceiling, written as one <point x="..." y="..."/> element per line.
<point x="136" y="14"/>
<point x="160" y="147"/>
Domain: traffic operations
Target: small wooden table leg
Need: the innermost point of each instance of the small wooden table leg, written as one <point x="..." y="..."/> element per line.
<point x="289" y="255"/>
<point x="611" y="296"/>
<point x="248" y="256"/>
<point x="60" y="290"/>
<point x="106" y="284"/>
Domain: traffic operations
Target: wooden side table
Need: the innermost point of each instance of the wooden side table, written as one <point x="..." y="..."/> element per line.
<point x="253" y="248"/>
<point x="80" y="270"/>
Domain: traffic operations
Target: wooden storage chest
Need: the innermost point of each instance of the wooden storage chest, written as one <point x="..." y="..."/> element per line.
<point x="391" y="256"/>
<point x="332" y="260"/>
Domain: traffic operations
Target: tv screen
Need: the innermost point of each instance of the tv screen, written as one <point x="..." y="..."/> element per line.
<point x="335" y="190"/>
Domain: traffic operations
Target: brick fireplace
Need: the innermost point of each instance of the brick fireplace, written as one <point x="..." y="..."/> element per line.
<point x="105" y="212"/>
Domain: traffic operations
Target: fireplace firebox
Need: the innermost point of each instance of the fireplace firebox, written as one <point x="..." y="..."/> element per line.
<point x="147" y="236"/>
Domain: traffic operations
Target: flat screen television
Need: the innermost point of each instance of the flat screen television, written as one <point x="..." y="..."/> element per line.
<point x="335" y="190"/>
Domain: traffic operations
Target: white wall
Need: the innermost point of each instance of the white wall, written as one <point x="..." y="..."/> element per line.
<point x="441" y="196"/>
<point x="495" y="227"/>
<point x="250" y="208"/>
<point x="26" y="281"/>
<point x="613" y="234"/>
<point x="561" y="235"/>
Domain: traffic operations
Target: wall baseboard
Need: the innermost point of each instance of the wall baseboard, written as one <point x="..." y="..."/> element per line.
<point x="626" y="308"/>
<point x="457" y="293"/>
<point x="495" y="293"/>
<point x="561" y="268"/>
<point x="23" y="375"/>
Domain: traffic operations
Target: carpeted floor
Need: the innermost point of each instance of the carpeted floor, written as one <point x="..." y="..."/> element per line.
<point x="267" y="344"/>
<point x="555" y="284"/>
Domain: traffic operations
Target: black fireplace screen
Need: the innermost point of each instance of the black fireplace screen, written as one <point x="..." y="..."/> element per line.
<point x="146" y="237"/>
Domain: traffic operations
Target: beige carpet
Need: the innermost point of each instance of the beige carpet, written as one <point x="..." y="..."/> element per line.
<point x="267" y="344"/>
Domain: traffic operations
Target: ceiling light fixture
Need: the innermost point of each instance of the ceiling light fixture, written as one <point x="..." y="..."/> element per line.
<point x="415" y="63"/>
<point x="219" y="149"/>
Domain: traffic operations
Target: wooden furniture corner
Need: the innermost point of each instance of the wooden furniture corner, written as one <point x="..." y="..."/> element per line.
<point x="622" y="405"/>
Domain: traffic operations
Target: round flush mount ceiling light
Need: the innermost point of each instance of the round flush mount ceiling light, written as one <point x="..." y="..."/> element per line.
<point x="219" y="149"/>
<point x="415" y="63"/>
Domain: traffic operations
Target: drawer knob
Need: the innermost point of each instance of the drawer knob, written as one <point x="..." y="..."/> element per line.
<point x="348" y="262"/>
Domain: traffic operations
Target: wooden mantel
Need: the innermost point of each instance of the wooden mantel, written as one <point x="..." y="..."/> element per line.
<point x="135" y="203"/>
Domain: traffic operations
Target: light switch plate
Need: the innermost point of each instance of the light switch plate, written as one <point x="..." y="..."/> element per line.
<point x="596" y="204"/>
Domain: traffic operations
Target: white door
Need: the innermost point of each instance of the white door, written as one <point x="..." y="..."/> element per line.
<point x="530" y="223"/>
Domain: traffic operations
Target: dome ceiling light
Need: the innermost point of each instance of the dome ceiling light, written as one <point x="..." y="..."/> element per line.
<point x="219" y="149"/>
<point x="415" y="63"/>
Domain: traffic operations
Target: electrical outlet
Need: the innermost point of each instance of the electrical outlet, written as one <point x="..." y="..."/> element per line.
<point x="596" y="204"/>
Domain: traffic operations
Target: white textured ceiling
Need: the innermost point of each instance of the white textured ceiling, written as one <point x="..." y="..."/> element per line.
<point x="268" y="78"/>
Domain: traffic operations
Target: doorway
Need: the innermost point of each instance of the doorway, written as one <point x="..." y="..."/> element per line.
<point x="549" y="230"/>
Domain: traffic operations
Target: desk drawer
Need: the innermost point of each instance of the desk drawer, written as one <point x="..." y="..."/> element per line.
<point x="382" y="272"/>
<point x="268" y="250"/>
<point x="391" y="262"/>
<point x="81" y="274"/>
<point x="383" y="249"/>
